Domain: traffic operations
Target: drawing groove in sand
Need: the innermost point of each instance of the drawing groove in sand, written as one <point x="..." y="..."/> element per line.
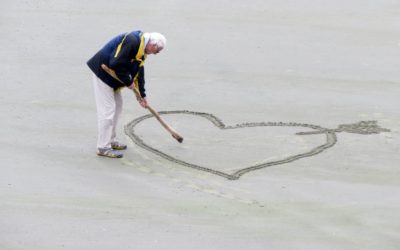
<point x="362" y="127"/>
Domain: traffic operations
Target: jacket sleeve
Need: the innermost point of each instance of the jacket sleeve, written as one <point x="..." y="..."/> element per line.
<point x="119" y="61"/>
<point x="141" y="82"/>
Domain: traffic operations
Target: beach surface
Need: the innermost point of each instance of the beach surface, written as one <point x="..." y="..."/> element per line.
<point x="266" y="70"/>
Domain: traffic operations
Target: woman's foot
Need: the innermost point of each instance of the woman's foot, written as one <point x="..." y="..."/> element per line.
<point x="109" y="152"/>
<point x="118" y="146"/>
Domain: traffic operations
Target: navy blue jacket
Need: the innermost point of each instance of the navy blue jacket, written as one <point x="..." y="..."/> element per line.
<point x="125" y="55"/>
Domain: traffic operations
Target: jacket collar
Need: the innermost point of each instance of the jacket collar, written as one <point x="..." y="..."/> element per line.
<point x="140" y="56"/>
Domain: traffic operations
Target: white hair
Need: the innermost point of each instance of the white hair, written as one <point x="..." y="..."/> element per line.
<point x="159" y="39"/>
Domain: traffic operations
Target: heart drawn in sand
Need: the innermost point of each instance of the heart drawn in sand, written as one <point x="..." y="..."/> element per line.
<point x="363" y="127"/>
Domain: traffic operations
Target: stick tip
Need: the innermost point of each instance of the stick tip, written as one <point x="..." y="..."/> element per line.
<point x="178" y="138"/>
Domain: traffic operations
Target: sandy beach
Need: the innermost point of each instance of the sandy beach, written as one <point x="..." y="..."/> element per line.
<point x="266" y="70"/>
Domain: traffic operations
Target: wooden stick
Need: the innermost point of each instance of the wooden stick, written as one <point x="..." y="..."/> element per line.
<point x="174" y="134"/>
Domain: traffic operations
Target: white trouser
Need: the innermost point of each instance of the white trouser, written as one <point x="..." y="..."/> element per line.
<point x="109" y="108"/>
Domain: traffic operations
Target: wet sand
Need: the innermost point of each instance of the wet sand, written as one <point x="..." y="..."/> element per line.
<point x="303" y="62"/>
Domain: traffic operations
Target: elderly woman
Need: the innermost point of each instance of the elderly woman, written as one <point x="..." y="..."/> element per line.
<point x="125" y="55"/>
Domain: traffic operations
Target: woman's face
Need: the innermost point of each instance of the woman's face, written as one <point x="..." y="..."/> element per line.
<point x="151" y="49"/>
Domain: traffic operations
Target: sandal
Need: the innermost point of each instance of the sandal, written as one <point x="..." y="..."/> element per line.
<point x="108" y="152"/>
<point x="118" y="146"/>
